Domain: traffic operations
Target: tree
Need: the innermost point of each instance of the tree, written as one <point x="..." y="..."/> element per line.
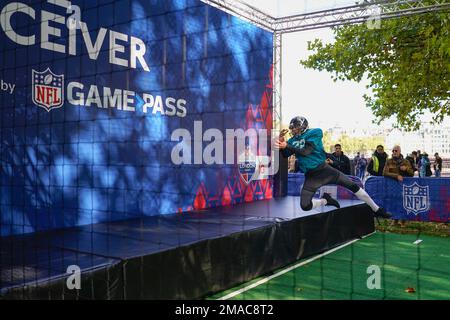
<point x="352" y="145"/>
<point x="406" y="60"/>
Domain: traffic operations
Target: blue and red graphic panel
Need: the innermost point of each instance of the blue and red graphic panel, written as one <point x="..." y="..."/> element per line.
<point x="89" y="105"/>
<point x="417" y="199"/>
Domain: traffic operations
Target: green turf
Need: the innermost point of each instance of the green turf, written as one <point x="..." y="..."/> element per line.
<point x="343" y="274"/>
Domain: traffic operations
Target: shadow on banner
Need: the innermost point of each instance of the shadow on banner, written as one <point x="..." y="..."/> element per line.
<point x="417" y="199"/>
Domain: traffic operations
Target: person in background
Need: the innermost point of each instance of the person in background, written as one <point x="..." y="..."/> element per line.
<point x="428" y="172"/>
<point x="397" y="168"/>
<point x="377" y="162"/>
<point x="339" y="160"/>
<point x="413" y="160"/>
<point x="291" y="164"/>
<point x="361" y="167"/>
<point x="355" y="163"/>
<point x="437" y="165"/>
<point x="425" y="166"/>
<point x="419" y="157"/>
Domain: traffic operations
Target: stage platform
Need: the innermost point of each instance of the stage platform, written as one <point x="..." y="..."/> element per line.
<point x="181" y="256"/>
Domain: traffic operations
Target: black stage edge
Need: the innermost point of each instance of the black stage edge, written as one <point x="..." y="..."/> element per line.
<point x="194" y="269"/>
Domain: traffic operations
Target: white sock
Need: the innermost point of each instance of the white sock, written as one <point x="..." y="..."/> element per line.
<point x="363" y="196"/>
<point x="318" y="203"/>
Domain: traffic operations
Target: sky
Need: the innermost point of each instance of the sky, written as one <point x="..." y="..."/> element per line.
<point x="314" y="95"/>
<point x="280" y="8"/>
<point x="311" y="93"/>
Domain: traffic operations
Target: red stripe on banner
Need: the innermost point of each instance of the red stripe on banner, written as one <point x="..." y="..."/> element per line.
<point x="236" y="190"/>
<point x="226" y="197"/>
<point x="200" y="199"/>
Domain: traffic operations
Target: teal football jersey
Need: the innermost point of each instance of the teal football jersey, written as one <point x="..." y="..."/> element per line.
<point x="317" y="157"/>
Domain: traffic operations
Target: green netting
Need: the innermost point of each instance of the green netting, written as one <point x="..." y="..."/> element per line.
<point x="424" y="267"/>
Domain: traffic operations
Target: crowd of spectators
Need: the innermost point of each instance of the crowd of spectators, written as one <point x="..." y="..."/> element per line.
<point x="379" y="164"/>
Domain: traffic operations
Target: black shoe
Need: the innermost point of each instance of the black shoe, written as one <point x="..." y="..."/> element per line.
<point x="381" y="213"/>
<point x="330" y="200"/>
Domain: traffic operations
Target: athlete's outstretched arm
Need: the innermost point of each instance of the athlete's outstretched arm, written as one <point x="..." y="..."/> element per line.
<point x="282" y="145"/>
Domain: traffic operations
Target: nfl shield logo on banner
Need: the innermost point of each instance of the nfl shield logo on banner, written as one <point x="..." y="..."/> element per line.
<point x="416" y="199"/>
<point x="48" y="89"/>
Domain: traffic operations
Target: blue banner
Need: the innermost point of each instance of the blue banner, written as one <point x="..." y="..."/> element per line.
<point x="419" y="199"/>
<point x="106" y="105"/>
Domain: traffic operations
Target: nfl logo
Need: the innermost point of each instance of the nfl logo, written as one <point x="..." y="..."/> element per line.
<point x="48" y="89"/>
<point x="416" y="199"/>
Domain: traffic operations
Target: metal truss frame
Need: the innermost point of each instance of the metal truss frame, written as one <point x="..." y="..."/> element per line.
<point x="361" y="12"/>
<point x="277" y="80"/>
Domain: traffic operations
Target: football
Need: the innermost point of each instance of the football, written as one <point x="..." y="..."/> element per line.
<point x="48" y="79"/>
